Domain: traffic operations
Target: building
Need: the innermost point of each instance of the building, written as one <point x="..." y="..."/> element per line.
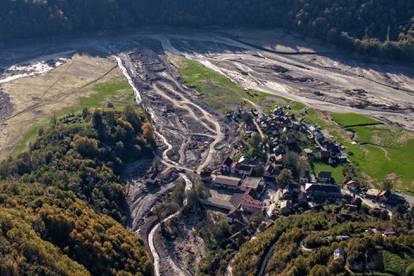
<point x="389" y="232"/>
<point x="285" y="207"/>
<point x="325" y="177"/>
<point x="247" y="203"/>
<point x="270" y="173"/>
<point x="353" y="186"/>
<point x="322" y="191"/>
<point x="242" y="170"/>
<point x="226" y="182"/>
<point x="252" y="184"/>
<point x="339" y="254"/>
<point x="217" y="203"/>
<point x="372" y="194"/>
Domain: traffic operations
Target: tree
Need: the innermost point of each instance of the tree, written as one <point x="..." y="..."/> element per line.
<point x="285" y="178"/>
<point x="319" y="270"/>
<point x="387" y="184"/>
<point x="410" y="270"/>
<point x="254" y="145"/>
<point x="291" y="162"/>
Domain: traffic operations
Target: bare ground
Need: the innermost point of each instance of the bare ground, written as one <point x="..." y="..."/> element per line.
<point x="39" y="97"/>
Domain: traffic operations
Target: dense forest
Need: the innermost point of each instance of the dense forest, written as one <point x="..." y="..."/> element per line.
<point x="46" y="231"/>
<point x="84" y="154"/>
<point x="373" y="27"/>
<point x="57" y="199"/>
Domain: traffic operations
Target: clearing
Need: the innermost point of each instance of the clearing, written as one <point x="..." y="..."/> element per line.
<point x="83" y="81"/>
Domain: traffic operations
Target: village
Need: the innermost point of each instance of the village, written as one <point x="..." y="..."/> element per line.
<point x="277" y="179"/>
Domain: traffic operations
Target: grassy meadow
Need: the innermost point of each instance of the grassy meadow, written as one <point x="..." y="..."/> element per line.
<point x="217" y="91"/>
<point x="116" y="91"/>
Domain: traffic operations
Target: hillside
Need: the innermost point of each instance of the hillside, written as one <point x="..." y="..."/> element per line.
<point x="305" y="244"/>
<point x="372" y="27"/>
<point x="45" y="231"/>
<point x="85" y="153"/>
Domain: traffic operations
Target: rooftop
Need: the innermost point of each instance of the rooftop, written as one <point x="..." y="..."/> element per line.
<point x="226" y="180"/>
<point x="327" y="188"/>
<point x="251" y="182"/>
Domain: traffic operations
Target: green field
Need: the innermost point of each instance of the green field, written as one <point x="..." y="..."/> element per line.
<point x="352" y="119"/>
<point x="381" y="150"/>
<point x="116" y="91"/>
<point x="337" y="172"/>
<point x="217" y="91"/>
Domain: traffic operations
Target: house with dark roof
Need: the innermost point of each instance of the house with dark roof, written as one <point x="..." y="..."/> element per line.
<point x="286" y="207"/>
<point x="320" y="191"/>
<point x="325" y="177"/>
<point x="270" y="173"/>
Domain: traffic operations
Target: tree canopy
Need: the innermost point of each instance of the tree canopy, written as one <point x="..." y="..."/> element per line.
<point x="46" y="231"/>
<point x="86" y="155"/>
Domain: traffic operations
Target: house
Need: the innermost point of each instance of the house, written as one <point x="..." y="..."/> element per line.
<point x="390" y="231"/>
<point x="285" y="207"/>
<point x="339" y="254"/>
<point x="383" y="196"/>
<point x="205" y="173"/>
<point x="395" y="200"/>
<point x="372" y="194"/>
<point x="253" y="184"/>
<point x="278" y="112"/>
<point x="342" y="159"/>
<point x="217" y="203"/>
<point x="353" y="186"/>
<point x="271" y="211"/>
<point x="242" y="170"/>
<point x="279" y="150"/>
<point x="308" y="152"/>
<point x="325" y="177"/>
<point x="226" y="182"/>
<point x="270" y="173"/>
<point x="291" y="141"/>
<point x="322" y="191"/>
<point x="247" y="203"/>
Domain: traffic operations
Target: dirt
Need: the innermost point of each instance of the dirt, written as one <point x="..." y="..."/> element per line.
<point x="379" y="90"/>
<point x="6" y="108"/>
<point x="38" y="97"/>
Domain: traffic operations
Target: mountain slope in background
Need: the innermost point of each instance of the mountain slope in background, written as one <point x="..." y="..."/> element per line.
<point x="373" y="27"/>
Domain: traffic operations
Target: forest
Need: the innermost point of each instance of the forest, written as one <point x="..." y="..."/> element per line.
<point x="62" y="203"/>
<point x="378" y="28"/>
<point x="46" y="231"/>
<point x="84" y="153"/>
